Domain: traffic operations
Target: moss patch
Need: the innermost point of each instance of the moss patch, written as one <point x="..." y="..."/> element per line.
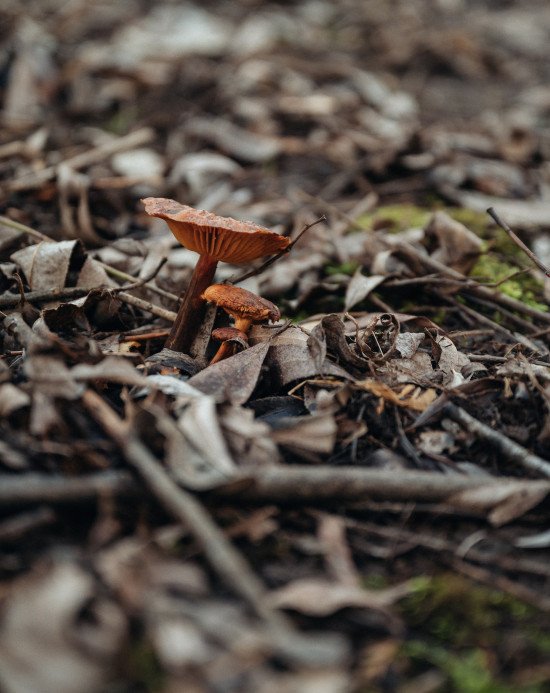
<point x="476" y="636"/>
<point x="524" y="287"/>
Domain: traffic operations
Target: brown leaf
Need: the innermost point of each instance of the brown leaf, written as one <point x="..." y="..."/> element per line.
<point x="457" y="247"/>
<point x="11" y="399"/>
<point x="417" y="399"/>
<point x="290" y="359"/>
<point x="318" y="597"/>
<point x="112" y="369"/>
<point x="47" y="645"/>
<point x="504" y="501"/>
<point x="50" y="376"/>
<point x="234" y="379"/>
<point x="360" y="287"/>
<point x="305" y="435"/>
<point x="249" y="440"/>
<point x="46" y="265"/>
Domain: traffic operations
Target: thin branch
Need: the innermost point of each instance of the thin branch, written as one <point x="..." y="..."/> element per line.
<point x="70" y="292"/>
<point x="220" y="553"/>
<point x="111" y="271"/>
<point x="147" y="306"/>
<point x="301" y="483"/>
<point x="28" y="488"/>
<point x="87" y="158"/>
<point x="511" y="451"/>
<point x="530" y="254"/>
<point x="471" y="287"/>
<point x="273" y="259"/>
<point x="488" y="358"/>
<point x="144" y="280"/>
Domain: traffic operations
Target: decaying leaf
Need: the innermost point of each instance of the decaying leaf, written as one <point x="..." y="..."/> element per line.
<point x="506" y="501"/>
<point x="360" y="287"/>
<point x="410" y="397"/>
<point x="234" y="379"/>
<point x="290" y="359"/>
<point x="306" y="434"/>
<point x="47" y="643"/>
<point x="456" y="246"/>
<point x="318" y="597"/>
<point x="47" y="265"/>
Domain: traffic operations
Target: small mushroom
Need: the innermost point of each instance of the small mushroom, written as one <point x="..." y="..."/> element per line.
<point x="215" y="239"/>
<point x="245" y="307"/>
<point x="231" y="339"/>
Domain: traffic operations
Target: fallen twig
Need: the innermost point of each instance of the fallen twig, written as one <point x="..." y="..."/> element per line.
<point x="530" y="254"/>
<point x="147" y="306"/>
<point x="111" y="271"/>
<point x="488" y="358"/>
<point x="92" y="156"/>
<point x="221" y="554"/>
<point x="12" y="529"/>
<point x="33" y="487"/>
<point x="68" y="293"/>
<point x="301" y="483"/>
<point x="268" y="263"/>
<point x="471" y="287"/>
<point x="511" y="450"/>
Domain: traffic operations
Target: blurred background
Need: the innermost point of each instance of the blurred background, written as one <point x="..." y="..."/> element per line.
<point x="253" y="107"/>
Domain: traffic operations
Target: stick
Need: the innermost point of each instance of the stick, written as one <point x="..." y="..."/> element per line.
<point x="299" y="483"/>
<point x="70" y="292"/>
<point x="273" y="259"/>
<point x="92" y="156"/>
<point x="147" y="306"/>
<point x="476" y="289"/>
<point x="220" y="553"/>
<point x="33" y="487"/>
<point x="530" y="254"/>
<point x="112" y="271"/>
<point x="291" y="484"/>
<point x="511" y="450"/>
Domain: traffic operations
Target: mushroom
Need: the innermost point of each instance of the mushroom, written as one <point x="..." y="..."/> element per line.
<point x="242" y="305"/>
<point x="231" y="339"/>
<point x="215" y="239"/>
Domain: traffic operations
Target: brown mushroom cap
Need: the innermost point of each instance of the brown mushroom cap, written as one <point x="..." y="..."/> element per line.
<point x="240" y="303"/>
<point x="222" y="238"/>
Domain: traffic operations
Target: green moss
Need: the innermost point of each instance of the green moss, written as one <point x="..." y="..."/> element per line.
<point x="468" y="672"/>
<point x="524" y="287"/>
<point x="123" y="120"/>
<point x="395" y="218"/>
<point x="345" y="268"/>
<point x="491" y="267"/>
<point x="459" y="626"/>
<point x="144" y="667"/>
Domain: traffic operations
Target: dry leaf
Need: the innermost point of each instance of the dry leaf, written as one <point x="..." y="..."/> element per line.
<point x="504" y="501"/>
<point x="417" y="399"/>
<point x="47" y="645"/>
<point x="234" y="379"/>
<point x="46" y="265"/>
<point x="359" y="288"/>
<point x="318" y="597"/>
<point x="457" y="247"/>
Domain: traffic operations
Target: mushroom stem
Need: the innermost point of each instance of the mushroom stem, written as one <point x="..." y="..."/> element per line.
<point x="243" y="324"/>
<point x="223" y="352"/>
<point x="191" y="311"/>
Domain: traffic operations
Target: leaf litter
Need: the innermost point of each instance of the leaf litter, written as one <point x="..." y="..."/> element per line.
<point x="273" y="521"/>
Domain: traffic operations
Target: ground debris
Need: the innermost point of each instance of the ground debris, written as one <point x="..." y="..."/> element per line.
<point x="358" y="498"/>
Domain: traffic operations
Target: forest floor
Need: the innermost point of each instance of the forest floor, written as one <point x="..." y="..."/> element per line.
<point x="358" y="500"/>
